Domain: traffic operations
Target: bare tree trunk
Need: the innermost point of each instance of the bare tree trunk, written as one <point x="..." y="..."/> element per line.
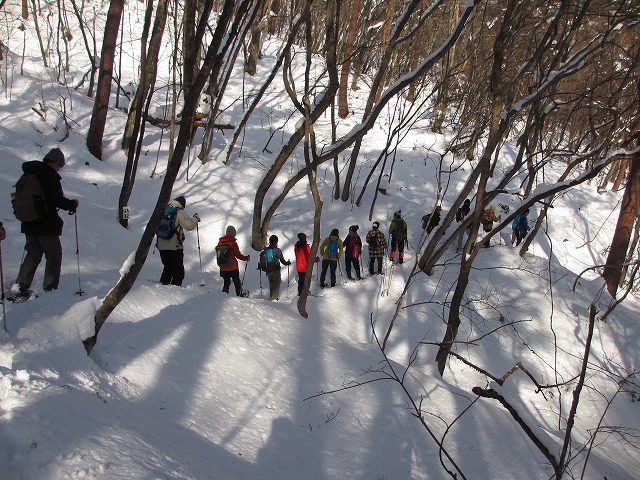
<point x="103" y="92"/>
<point x="213" y="59"/>
<point x="629" y="214"/>
<point x="43" y="50"/>
<point x="134" y="130"/>
<point x="343" y="102"/>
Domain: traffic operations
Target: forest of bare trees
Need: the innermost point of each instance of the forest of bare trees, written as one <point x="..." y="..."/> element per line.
<point x="559" y="81"/>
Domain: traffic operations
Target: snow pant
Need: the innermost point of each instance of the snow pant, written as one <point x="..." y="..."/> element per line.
<point x="348" y="262"/>
<point x="51" y="248"/>
<point x="397" y="244"/>
<point x="331" y="265"/>
<point x="173" y="271"/>
<point x="228" y="276"/>
<point x="460" y="238"/>
<point x="371" y="263"/>
<point x="274" y="284"/>
<point x="301" y="277"/>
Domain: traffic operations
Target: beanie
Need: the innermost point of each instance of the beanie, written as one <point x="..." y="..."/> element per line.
<point x="55" y="155"/>
<point x="231" y="230"/>
<point x="375" y="225"/>
<point x="354" y="228"/>
<point x="334" y="232"/>
<point x="273" y="240"/>
<point x="182" y="201"/>
<point x="397" y="214"/>
<point x="302" y="237"/>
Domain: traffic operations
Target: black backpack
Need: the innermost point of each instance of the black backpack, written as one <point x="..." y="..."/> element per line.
<point x="28" y="200"/>
<point x="373" y="241"/>
<point x="167" y="227"/>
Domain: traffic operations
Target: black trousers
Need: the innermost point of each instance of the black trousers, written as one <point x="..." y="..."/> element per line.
<point x="331" y="265"/>
<point x="173" y="271"/>
<point x="228" y="277"/>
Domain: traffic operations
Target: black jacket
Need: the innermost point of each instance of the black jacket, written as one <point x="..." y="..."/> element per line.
<point x="50" y="181"/>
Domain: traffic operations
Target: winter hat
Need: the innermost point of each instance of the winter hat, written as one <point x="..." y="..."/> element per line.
<point x="55" y="155"/>
<point x="273" y="240"/>
<point x="354" y="228"/>
<point x="467" y="201"/>
<point x="181" y="200"/>
<point x="376" y="225"/>
<point x="397" y="214"/>
<point x="302" y="237"/>
<point x="231" y="230"/>
<point x="334" y="232"/>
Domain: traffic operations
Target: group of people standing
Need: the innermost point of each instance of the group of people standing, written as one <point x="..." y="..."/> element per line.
<point x="43" y="238"/>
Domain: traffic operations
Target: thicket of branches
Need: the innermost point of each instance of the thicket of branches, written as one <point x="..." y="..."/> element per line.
<point x="556" y="80"/>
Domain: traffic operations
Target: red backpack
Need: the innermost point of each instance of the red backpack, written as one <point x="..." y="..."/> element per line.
<point x="354" y="248"/>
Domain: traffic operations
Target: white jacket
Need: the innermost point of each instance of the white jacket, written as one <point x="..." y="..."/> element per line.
<point x="183" y="222"/>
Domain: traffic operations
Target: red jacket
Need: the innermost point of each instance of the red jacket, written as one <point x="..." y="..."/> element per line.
<point x="302" y="251"/>
<point x="236" y="253"/>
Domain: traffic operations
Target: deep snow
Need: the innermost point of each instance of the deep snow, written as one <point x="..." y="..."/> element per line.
<point x="190" y="383"/>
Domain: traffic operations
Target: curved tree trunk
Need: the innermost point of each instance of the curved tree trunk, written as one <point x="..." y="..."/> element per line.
<point x="213" y="59"/>
<point x="629" y="215"/>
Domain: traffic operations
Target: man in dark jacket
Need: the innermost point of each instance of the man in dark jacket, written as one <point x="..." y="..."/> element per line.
<point x="43" y="236"/>
<point x="398" y="231"/>
<point x="352" y="244"/>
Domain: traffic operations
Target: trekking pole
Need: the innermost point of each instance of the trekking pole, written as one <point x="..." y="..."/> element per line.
<point x="80" y="291"/>
<point x="242" y="281"/>
<point x="288" y="285"/>
<point x="261" y="282"/>
<point x="3" y="235"/>
<point x="200" y="255"/>
<point x="340" y="270"/>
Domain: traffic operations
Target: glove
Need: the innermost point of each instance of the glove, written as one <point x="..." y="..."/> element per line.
<point x="196" y="216"/>
<point x="288" y="263"/>
<point x="248" y="257"/>
<point x="317" y="260"/>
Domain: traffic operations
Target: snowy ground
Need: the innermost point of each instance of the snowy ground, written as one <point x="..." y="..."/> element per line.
<point x="190" y="383"/>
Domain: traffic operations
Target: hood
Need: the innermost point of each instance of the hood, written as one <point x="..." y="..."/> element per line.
<point x="175" y="203"/>
<point x="36" y="167"/>
<point x="227" y="239"/>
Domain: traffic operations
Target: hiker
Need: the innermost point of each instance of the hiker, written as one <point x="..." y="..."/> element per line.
<point x="302" y="251"/>
<point x="227" y="255"/>
<point x="43" y="235"/>
<point x="175" y="221"/>
<point x="377" y="247"/>
<point x="331" y="250"/>
<point x="398" y="231"/>
<point x="520" y="227"/>
<point x="352" y="244"/>
<point x="270" y="260"/>
<point x="429" y="222"/>
<point x="488" y="217"/>
<point x="462" y="212"/>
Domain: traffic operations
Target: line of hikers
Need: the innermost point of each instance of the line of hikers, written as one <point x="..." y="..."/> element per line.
<point x="171" y="235"/>
<point x="38" y="197"/>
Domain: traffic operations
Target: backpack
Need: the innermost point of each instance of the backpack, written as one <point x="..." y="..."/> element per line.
<point x="425" y="221"/>
<point x="29" y="202"/>
<point x="332" y="248"/>
<point x="224" y="255"/>
<point x="401" y="230"/>
<point x="459" y="216"/>
<point x="268" y="261"/>
<point x="354" y="248"/>
<point x="515" y="223"/>
<point x="485" y="218"/>
<point x="167" y="227"/>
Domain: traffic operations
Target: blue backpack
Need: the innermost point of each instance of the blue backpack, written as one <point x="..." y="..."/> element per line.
<point x="167" y="227"/>
<point x="515" y="223"/>
<point x="268" y="261"/>
<point x="332" y="248"/>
